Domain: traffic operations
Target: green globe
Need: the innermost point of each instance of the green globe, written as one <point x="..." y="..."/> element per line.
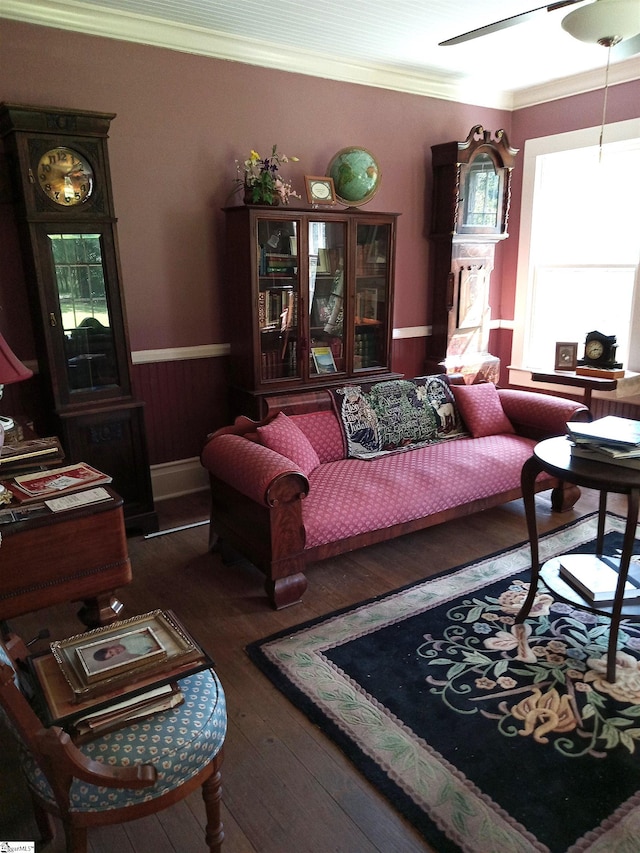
<point x="356" y="175"/>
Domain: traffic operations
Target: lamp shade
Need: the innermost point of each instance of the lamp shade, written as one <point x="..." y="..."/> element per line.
<point x="11" y="368"/>
<point x="604" y="22"/>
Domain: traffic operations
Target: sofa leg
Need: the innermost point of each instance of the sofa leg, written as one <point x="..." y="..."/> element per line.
<point x="564" y="497"/>
<point x="283" y="592"/>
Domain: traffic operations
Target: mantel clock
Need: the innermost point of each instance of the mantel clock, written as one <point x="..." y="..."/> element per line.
<point x="600" y="351"/>
<point x="59" y="165"/>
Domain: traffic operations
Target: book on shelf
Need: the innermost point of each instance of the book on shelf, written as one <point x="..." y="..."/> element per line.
<point x="610" y="430"/>
<point x="600" y="372"/>
<point x="323" y="359"/>
<point x="596" y="578"/>
<point x="55" y="482"/>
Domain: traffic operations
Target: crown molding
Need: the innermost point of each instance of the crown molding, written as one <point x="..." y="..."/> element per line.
<point x="78" y="16"/>
<point x="578" y="84"/>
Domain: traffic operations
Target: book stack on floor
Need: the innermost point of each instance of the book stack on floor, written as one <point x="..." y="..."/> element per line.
<point x="596" y="578"/>
<point x="104" y="679"/>
<point x="612" y="440"/>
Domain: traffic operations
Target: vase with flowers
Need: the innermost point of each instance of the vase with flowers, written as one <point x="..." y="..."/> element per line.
<point x="261" y="178"/>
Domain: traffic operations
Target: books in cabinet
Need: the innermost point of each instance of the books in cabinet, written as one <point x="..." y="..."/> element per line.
<point x="323" y="359"/>
<point x="596" y="578"/>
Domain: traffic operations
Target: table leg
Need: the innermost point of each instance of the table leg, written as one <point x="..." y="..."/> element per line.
<point x="530" y="471"/>
<point x="602" y="518"/>
<point x="625" y="559"/>
<point x="102" y="609"/>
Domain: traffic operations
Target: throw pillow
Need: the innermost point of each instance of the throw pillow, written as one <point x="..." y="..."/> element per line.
<point x="395" y="415"/>
<point x="481" y="409"/>
<point x="283" y="436"/>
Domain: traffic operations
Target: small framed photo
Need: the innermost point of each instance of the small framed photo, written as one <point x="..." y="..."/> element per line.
<point x="566" y="355"/>
<point x="320" y="189"/>
<point x="118" y="653"/>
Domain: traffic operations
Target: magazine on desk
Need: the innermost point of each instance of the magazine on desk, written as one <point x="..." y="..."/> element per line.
<point x="55" y="482"/>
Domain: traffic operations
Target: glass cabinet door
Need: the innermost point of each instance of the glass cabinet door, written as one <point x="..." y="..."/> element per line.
<point x="278" y="276"/>
<point x="326" y="241"/>
<point x="373" y="244"/>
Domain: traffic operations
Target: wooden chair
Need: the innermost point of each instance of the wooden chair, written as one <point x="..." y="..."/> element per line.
<point x="126" y="774"/>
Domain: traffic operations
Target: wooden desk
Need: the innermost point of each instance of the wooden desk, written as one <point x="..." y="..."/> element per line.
<point x="589" y="384"/>
<point x="75" y="555"/>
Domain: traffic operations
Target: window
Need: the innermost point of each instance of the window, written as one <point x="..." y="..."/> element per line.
<point x="579" y="247"/>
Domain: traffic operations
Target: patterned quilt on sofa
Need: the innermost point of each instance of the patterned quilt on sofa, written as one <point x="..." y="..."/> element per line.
<point x="396" y="415"/>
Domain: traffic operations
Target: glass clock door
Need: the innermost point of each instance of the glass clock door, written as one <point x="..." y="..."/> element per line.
<point x="89" y="345"/>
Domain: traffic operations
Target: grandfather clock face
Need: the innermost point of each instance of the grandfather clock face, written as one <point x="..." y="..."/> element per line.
<point x="65" y="176"/>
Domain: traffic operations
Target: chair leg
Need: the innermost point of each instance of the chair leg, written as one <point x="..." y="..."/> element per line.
<point x="44" y="822"/>
<point x="76" y="838"/>
<point x="212" y="794"/>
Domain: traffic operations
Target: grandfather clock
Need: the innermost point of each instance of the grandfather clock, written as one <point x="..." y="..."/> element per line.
<point x="59" y="164"/>
<point x="470" y="214"/>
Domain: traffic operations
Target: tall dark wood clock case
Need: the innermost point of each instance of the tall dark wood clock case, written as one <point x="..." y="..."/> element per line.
<point x="470" y="214"/>
<point x="58" y="161"/>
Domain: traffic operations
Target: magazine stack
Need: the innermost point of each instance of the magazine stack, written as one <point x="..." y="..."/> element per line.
<point x="611" y="440"/>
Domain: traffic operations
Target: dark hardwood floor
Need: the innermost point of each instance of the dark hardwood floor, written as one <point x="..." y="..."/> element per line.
<point x="285" y="786"/>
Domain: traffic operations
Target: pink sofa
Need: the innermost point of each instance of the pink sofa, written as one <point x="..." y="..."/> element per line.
<point x="286" y="492"/>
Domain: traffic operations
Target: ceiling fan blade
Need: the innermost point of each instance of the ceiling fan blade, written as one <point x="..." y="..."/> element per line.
<point x="625" y="49"/>
<point x="507" y="22"/>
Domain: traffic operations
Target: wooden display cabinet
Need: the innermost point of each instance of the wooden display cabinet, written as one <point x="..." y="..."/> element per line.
<point x="309" y="300"/>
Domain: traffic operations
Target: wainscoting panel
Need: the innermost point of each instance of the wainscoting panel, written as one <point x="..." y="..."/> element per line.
<point x="184" y="401"/>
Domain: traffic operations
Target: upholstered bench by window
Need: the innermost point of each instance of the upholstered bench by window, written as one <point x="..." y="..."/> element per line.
<point x="128" y="773"/>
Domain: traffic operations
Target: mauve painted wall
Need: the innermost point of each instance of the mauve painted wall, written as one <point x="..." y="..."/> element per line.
<point x="181" y="121"/>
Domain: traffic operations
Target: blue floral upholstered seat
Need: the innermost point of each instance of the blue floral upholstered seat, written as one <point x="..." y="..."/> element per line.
<point x="127" y="773"/>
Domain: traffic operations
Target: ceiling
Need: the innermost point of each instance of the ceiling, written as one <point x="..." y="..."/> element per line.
<point x="387" y="43"/>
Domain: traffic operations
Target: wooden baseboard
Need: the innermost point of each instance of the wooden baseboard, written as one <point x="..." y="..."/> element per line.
<point x="182" y="477"/>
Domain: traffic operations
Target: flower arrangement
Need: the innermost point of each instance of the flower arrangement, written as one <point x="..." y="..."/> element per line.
<point x="261" y="179"/>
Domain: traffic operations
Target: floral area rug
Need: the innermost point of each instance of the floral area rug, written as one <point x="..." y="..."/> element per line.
<point x="488" y="736"/>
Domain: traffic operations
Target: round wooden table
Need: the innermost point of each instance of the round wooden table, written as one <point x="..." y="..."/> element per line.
<point x="554" y="457"/>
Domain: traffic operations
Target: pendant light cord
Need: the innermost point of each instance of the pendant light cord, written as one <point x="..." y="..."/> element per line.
<point x="604" y="105"/>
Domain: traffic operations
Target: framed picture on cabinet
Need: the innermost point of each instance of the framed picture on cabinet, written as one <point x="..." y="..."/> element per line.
<point x="320" y="189"/>
<point x="566" y="355"/>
